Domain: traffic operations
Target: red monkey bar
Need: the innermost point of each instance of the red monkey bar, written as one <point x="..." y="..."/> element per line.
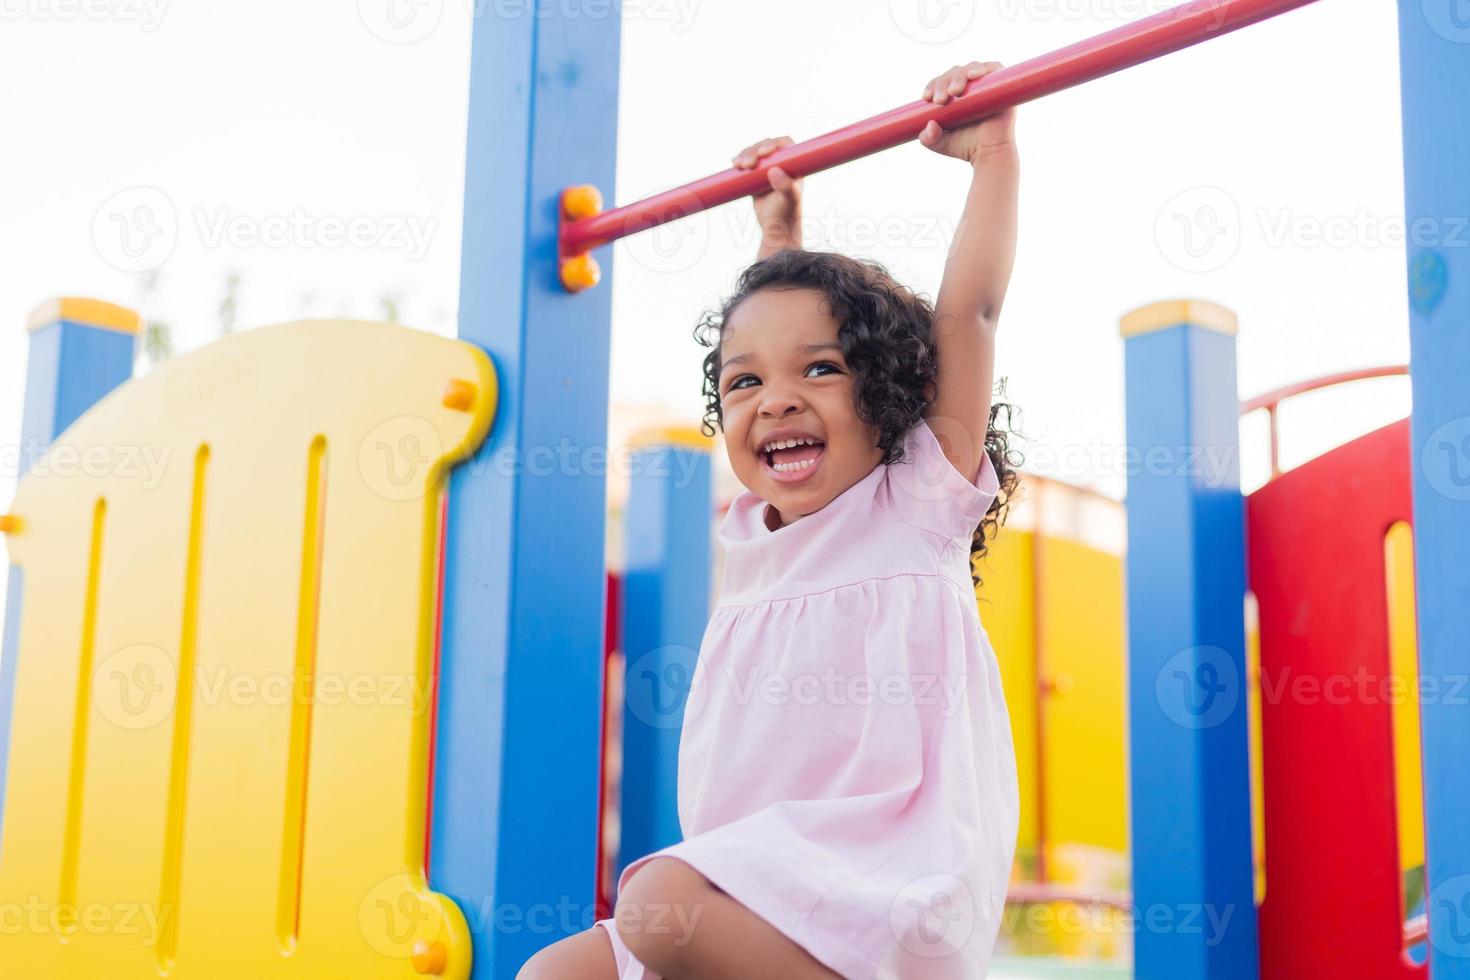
<point x="1133" y="44"/>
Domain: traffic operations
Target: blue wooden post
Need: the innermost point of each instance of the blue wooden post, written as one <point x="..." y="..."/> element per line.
<point x="516" y="781"/>
<point x="80" y="350"/>
<point x="666" y="589"/>
<point x="1434" y="46"/>
<point x="1188" y="733"/>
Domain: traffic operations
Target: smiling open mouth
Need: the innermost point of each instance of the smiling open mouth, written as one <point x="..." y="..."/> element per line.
<point x="793" y="458"/>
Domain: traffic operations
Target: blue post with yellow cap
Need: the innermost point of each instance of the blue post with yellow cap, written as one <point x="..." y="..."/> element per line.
<point x="1188" y="729"/>
<point x="666" y="590"/>
<point x="520" y="713"/>
<point x="80" y="350"/>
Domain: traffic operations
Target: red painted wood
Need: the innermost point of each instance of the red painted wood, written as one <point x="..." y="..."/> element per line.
<point x="1333" y="905"/>
<point x="612" y="639"/>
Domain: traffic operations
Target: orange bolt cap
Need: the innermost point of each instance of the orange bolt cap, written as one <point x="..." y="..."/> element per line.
<point x="459" y="394"/>
<point x="429" y="959"/>
<point x="582" y="201"/>
<point x="9" y="524"/>
<point x="580" y="272"/>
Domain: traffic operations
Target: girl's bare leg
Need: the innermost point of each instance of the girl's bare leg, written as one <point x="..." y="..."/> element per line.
<point x="684" y="928"/>
<point x="586" y="956"/>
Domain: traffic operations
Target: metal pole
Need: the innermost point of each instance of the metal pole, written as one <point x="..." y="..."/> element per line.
<point x="1123" y="47"/>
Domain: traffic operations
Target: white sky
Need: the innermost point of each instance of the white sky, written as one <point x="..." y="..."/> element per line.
<point x="239" y="119"/>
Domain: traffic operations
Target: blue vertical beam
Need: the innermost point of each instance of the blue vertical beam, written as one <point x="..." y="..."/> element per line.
<point x="1434" y="48"/>
<point x="80" y="350"/>
<point x="516" y="783"/>
<point x="1188" y="734"/>
<point x="666" y="590"/>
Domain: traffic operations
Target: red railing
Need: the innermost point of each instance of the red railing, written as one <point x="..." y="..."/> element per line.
<point x="1271" y="400"/>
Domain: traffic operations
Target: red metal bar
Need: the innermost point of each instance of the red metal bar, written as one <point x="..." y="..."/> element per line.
<point x="1126" y="46"/>
<point x="1272" y="399"/>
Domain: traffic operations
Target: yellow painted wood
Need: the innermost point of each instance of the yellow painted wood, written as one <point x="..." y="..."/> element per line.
<point x="1256" y="745"/>
<point x="90" y="312"/>
<point x="221" y="730"/>
<point x="1005" y="603"/>
<point x="1076" y="768"/>
<point x="1082" y="612"/>
<point x="673" y="435"/>
<point x="1171" y="313"/>
<point x="1404" y="669"/>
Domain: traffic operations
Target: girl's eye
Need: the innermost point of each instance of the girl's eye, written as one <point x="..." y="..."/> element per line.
<point x="740" y="382"/>
<point x="826" y="367"/>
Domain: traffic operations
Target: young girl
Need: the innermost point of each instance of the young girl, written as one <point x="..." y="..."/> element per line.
<point x="847" y="783"/>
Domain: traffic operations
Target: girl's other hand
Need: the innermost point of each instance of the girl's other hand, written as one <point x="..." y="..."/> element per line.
<point x="973" y="140"/>
<point x="778" y="210"/>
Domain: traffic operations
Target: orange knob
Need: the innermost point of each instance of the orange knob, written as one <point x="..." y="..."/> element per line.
<point x="580" y="272"/>
<point x="582" y="201"/>
<point x="9" y="524"/>
<point x="459" y="394"/>
<point x="429" y="959"/>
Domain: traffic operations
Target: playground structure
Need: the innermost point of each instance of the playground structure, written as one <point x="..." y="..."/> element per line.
<point x="453" y="829"/>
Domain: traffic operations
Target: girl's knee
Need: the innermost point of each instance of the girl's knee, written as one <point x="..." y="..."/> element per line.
<point x="658" y="910"/>
<point x="587" y="954"/>
<point x="663" y="880"/>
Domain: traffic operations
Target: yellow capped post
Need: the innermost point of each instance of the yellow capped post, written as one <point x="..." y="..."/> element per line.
<point x="84" y="312"/>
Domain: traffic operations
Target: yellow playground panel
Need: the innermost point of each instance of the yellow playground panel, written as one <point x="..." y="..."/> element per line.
<point x="1056" y="620"/>
<point x="243" y="563"/>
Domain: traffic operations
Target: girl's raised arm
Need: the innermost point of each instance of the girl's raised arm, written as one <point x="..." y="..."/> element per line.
<point x="976" y="273"/>
<point x="778" y="210"/>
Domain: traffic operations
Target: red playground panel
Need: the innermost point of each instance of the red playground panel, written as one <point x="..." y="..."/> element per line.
<point x="1333" y="905"/>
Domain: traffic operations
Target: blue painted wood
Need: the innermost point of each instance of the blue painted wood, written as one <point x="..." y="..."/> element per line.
<point x="1434" y="46"/>
<point x="666" y="593"/>
<point x="69" y="367"/>
<point x="1188" y="735"/>
<point x="516" y="784"/>
<point x="9" y="646"/>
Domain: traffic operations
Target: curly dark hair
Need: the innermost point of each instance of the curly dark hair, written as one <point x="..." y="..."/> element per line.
<point x="885" y="331"/>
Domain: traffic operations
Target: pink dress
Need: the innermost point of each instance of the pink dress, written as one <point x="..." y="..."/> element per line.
<point x="846" y="768"/>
